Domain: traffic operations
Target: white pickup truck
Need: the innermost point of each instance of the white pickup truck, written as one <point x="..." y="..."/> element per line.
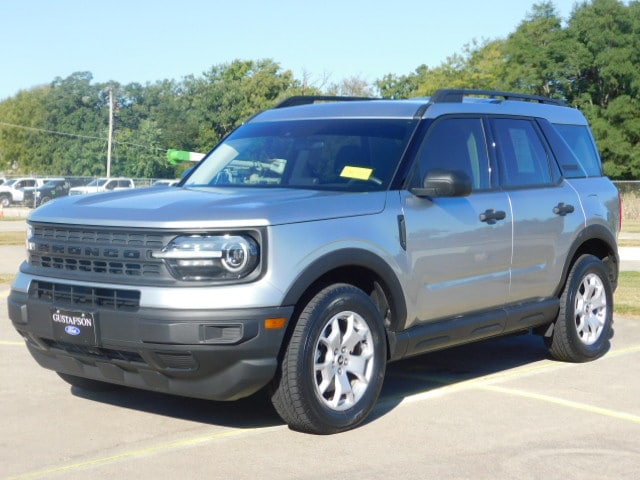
<point x="11" y="190"/>
<point x="103" y="185"/>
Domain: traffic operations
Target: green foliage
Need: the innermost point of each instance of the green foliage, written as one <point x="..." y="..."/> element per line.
<point x="533" y="53"/>
<point x="591" y="60"/>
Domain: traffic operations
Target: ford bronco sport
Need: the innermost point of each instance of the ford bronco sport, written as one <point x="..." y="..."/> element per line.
<point x="321" y="240"/>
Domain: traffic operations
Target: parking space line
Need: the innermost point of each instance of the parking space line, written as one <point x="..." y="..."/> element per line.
<point x="487" y="382"/>
<point x="136" y="453"/>
<point x="6" y="343"/>
<point x="562" y="402"/>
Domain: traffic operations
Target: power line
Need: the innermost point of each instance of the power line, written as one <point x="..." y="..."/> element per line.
<point x="76" y="135"/>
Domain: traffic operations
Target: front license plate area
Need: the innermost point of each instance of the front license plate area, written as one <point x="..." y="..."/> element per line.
<point x="74" y="326"/>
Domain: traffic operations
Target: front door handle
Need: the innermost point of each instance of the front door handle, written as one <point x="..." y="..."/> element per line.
<point x="562" y="209"/>
<point x="491" y="216"/>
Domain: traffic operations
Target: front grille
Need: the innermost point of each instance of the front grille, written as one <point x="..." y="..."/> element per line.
<point x="87" y="253"/>
<point x="83" y="297"/>
<point x="96" y="266"/>
<point x="94" y="353"/>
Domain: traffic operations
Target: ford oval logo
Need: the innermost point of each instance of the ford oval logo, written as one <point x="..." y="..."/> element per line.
<point x="72" y="330"/>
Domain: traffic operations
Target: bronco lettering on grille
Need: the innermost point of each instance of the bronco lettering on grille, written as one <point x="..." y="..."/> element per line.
<point x="76" y="251"/>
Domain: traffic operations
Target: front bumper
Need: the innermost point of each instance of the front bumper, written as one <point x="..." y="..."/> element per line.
<point x="210" y="354"/>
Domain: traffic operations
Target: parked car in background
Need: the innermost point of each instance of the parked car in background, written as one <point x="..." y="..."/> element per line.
<point x="54" y="188"/>
<point x="166" y="182"/>
<point x="103" y="185"/>
<point x="11" y="191"/>
<point x="2" y="180"/>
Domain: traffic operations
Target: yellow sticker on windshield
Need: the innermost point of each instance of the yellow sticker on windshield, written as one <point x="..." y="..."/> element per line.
<point x="357" y="173"/>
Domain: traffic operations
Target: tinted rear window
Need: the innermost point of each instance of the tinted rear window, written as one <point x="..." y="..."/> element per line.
<point x="584" y="161"/>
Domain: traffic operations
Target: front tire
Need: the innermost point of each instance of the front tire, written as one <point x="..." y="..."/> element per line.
<point x="334" y="365"/>
<point x="583" y="328"/>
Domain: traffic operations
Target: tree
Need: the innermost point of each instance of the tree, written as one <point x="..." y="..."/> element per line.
<point x="230" y="93"/>
<point x="608" y="63"/>
<point x="21" y="119"/>
<point x="354" y="86"/>
<point x="534" y="53"/>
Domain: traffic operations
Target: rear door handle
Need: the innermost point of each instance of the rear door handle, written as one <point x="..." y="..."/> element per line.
<point x="491" y="216"/>
<point x="562" y="209"/>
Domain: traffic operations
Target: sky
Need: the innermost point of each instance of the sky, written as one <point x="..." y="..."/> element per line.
<point x="324" y="41"/>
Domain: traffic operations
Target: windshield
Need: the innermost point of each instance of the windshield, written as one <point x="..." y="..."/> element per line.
<point x="352" y="155"/>
<point x="10" y="182"/>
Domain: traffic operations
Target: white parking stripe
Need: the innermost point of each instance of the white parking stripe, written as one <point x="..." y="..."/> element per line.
<point x="562" y="402"/>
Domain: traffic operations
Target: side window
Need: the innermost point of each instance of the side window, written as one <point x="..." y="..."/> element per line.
<point x="521" y="155"/>
<point x="579" y="140"/>
<point x="456" y="144"/>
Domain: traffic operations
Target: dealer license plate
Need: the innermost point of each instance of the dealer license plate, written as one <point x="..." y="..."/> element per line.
<point x="74" y="326"/>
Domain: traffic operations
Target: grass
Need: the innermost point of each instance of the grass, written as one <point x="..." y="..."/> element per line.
<point x="12" y="238"/>
<point x="627" y="296"/>
<point x="631" y="209"/>
<point x="630" y="226"/>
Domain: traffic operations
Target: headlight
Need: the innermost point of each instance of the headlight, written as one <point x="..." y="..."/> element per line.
<point x="211" y="257"/>
<point x="31" y="246"/>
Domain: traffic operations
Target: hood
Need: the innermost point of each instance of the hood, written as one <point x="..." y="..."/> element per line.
<point x="207" y="207"/>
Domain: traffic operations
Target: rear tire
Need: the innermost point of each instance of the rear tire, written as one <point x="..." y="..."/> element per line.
<point x="584" y="325"/>
<point x="333" y="367"/>
<point x="87" y="384"/>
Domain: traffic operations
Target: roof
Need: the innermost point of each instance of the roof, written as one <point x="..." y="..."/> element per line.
<point x="443" y="102"/>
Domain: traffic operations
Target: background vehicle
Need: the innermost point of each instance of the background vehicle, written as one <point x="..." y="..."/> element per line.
<point x="52" y="189"/>
<point x="165" y="183"/>
<point x="103" y="185"/>
<point x="317" y="242"/>
<point x="11" y="191"/>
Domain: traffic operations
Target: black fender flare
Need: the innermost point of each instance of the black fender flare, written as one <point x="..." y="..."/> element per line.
<point x="592" y="232"/>
<point x="350" y="257"/>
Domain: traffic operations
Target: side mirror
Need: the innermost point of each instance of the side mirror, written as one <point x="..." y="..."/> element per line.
<point x="444" y="183"/>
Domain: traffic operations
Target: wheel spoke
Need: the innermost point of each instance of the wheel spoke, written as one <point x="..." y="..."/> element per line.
<point x="334" y="339"/>
<point x="358" y="366"/>
<point x="594" y="323"/>
<point x="327" y="380"/>
<point x="343" y="389"/>
<point x="354" y="336"/>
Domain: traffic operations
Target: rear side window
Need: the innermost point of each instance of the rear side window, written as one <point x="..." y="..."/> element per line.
<point x="523" y="159"/>
<point x="580" y="142"/>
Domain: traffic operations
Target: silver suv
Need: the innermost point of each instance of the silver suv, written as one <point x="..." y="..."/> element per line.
<point x="321" y="240"/>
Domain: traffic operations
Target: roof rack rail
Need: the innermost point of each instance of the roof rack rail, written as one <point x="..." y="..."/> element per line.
<point x="310" y="99"/>
<point x="456" y="96"/>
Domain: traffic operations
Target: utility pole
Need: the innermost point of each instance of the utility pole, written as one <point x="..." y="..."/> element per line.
<point x="110" y="132"/>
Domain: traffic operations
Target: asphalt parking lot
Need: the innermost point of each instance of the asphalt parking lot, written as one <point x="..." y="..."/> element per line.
<point x="496" y="409"/>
